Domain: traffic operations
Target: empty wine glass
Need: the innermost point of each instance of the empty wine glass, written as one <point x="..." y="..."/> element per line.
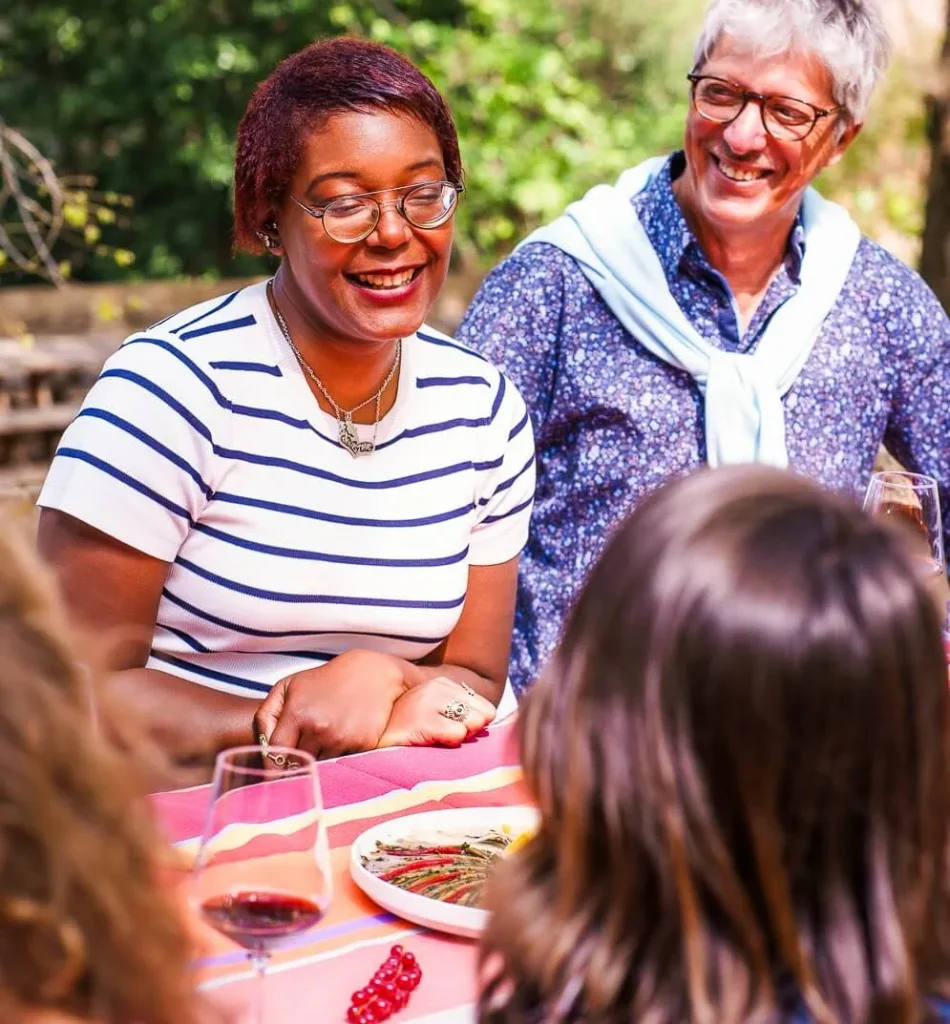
<point x="911" y="502"/>
<point x="263" y="872"/>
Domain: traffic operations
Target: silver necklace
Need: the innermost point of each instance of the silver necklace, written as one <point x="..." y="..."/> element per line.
<point x="348" y="434"/>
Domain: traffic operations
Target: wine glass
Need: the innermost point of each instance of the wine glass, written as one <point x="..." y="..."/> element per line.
<point x="263" y="873"/>
<point x="911" y="502"/>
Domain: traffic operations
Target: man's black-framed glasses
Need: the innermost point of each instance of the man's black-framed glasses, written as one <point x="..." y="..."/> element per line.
<point x="353" y="218"/>
<point x="783" y="117"/>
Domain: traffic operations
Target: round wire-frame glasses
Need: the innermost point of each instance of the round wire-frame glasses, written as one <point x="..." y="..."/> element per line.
<point x="352" y="218"/>
<point x="783" y="117"/>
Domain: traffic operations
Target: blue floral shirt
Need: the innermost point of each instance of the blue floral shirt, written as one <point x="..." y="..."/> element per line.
<point x="612" y="421"/>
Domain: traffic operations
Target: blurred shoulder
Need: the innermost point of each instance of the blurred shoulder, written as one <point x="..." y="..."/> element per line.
<point x="942" y="1008"/>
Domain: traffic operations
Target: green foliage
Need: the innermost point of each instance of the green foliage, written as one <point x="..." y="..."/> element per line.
<point x="548" y="102"/>
<point x="41" y="212"/>
<point x="883" y="174"/>
<point x="145" y="96"/>
<point x="550" y="97"/>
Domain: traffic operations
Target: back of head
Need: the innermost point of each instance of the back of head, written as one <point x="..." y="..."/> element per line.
<point x="740" y="753"/>
<point x="84" y="928"/>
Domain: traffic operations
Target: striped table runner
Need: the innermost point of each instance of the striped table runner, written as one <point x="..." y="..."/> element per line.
<point x="311" y="980"/>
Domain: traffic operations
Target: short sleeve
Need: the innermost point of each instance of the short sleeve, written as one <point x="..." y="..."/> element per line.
<point x="506" y="485"/>
<point x="138" y="461"/>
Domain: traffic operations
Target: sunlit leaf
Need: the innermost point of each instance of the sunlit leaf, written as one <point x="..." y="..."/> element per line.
<point x="75" y="215"/>
<point x="108" y="311"/>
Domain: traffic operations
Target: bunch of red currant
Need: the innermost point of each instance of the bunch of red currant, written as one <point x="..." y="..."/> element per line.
<point x="389" y="990"/>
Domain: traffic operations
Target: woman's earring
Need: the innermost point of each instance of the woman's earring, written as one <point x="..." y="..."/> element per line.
<point x="269" y="237"/>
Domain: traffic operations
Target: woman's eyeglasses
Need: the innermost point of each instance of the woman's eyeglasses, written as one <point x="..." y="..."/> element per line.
<point x="353" y="218"/>
<point x="783" y="117"/>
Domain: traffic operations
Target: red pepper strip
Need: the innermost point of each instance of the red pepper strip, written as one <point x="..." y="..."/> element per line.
<point x="424" y="883"/>
<point x="404" y="869"/>
<point x="423" y="851"/>
<point x="458" y="893"/>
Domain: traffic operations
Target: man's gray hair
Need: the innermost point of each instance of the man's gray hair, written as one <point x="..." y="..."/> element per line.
<point x="847" y="36"/>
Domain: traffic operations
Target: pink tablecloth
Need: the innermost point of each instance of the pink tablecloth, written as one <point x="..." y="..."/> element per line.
<point x="312" y="980"/>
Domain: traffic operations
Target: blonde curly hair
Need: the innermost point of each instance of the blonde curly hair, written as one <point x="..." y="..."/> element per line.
<point x="85" y="928"/>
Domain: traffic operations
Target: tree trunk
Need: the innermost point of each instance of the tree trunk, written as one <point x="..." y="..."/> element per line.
<point x="935" y="257"/>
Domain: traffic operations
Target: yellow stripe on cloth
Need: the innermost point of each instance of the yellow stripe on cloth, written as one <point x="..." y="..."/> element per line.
<point x="422" y="793"/>
<point x="376" y="807"/>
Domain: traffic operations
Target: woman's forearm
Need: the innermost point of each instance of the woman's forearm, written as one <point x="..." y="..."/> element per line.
<point x="190" y="722"/>
<point x="490" y="689"/>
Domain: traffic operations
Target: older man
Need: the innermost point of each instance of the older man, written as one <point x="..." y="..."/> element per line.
<point x="711" y="307"/>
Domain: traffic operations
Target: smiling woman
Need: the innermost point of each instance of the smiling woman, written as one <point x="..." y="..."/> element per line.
<point x="298" y="493"/>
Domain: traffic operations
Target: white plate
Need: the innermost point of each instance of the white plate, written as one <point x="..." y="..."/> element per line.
<point x="445" y="917"/>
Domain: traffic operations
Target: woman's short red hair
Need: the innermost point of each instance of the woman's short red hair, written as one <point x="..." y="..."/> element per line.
<point x="324" y="78"/>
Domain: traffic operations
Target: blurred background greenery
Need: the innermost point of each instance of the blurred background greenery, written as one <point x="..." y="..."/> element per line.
<point x="136" y="103"/>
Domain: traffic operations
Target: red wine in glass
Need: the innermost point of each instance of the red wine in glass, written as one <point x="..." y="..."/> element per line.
<point x="261" y="920"/>
<point x="262" y="874"/>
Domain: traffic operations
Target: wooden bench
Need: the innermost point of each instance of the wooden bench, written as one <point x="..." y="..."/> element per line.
<point x="42" y="387"/>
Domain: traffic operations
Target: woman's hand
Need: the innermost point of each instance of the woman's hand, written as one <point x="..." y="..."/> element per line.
<point x="417" y="718"/>
<point x="339" y="708"/>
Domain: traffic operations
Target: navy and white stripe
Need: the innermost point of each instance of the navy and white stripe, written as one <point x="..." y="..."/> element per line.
<point x="201" y="445"/>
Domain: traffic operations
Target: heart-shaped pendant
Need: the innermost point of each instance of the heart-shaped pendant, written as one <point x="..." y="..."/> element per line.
<point x="350" y="440"/>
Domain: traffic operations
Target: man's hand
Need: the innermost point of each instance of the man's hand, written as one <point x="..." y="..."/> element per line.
<point x="339" y="708"/>
<point x="418" y="721"/>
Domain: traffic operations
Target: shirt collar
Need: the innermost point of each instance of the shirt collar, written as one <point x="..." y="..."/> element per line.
<point x="670" y="235"/>
<point x="662" y="218"/>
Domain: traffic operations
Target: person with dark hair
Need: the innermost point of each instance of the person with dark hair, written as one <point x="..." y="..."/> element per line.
<point x="298" y="494"/>
<point x="741" y="756"/>
<point x="713" y="308"/>
<point x="87" y="934"/>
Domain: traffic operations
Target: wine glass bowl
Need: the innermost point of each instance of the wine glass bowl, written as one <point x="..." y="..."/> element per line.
<point x="260" y="920"/>
<point x="262" y="875"/>
<point x="910" y="502"/>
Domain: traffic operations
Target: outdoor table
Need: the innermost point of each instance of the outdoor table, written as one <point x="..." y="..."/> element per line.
<point x="311" y="980"/>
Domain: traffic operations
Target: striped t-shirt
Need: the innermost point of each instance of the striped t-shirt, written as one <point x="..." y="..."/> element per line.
<point x="202" y="445"/>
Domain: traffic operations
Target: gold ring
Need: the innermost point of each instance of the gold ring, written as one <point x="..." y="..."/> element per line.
<point x="456" y="710"/>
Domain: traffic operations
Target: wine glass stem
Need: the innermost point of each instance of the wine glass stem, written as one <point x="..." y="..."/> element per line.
<point x="259" y="960"/>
